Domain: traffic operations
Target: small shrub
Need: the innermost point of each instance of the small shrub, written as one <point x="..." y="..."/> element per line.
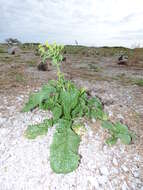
<point x="11" y="41"/>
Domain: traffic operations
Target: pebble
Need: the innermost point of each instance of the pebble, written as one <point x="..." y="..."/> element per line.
<point x="93" y="182"/>
<point x="136" y="174"/>
<point x="110" y="113"/>
<point x="93" y="120"/>
<point x="124" y="168"/>
<point x="103" y="179"/>
<point x="104" y="170"/>
<point x="115" y="161"/>
<point x="2" y="120"/>
<point x="115" y="170"/>
<point x="120" y="116"/>
<point x="124" y="186"/>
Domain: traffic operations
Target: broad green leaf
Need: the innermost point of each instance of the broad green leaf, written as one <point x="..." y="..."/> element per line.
<point x="36" y="130"/>
<point x="87" y="112"/>
<point x="118" y="130"/>
<point x="48" y="89"/>
<point x="57" y="112"/>
<point x="74" y="97"/>
<point x="82" y="102"/>
<point x="76" y="111"/>
<point x="69" y="100"/>
<point x="95" y="102"/>
<point x="111" y="141"/>
<point x="48" y="104"/>
<point x="36" y="99"/>
<point x="66" y="103"/>
<point x="121" y="128"/>
<point x="107" y="125"/>
<point x="84" y="96"/>
<point x="125" y="138"/>
<point x="64" y="156"/>
<point x="98" y="114"/>
<point x="63" y="123"/>
<point x="49" y="122"/>
<point x="52" y="83"/>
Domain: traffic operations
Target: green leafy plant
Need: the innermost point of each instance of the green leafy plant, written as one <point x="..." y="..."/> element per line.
<point x="117" y="131"/>
<point x="67" y="103"/>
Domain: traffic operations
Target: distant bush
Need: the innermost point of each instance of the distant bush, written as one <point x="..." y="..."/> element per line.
<point x="11" y="41"/>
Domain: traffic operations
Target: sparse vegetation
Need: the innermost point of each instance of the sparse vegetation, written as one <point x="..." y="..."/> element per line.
<point x="94" y="68"/>
<point x="136" y="57"/>
<point x="19" y="77"/>
<point x="31" y="63"/>
<point x="138" y="82"/>
<point x="2" y="50"/>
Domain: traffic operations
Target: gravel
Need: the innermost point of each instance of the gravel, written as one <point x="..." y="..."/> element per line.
<point x="24" y="164"/>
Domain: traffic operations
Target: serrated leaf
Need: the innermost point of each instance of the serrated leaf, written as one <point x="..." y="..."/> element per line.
<point x="64" y="156"/>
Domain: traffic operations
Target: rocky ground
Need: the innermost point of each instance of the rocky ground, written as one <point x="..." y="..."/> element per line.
<point x="24" y="164"/>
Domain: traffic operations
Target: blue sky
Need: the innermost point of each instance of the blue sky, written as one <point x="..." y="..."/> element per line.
<point x="90" y="22"/>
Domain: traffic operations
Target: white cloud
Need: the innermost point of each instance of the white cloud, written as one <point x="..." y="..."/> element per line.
<point x="91" y="22"/>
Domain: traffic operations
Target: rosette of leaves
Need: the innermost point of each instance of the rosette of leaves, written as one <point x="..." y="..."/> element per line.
<point x="118" y="131"/>
<point x="66" y="105"/>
